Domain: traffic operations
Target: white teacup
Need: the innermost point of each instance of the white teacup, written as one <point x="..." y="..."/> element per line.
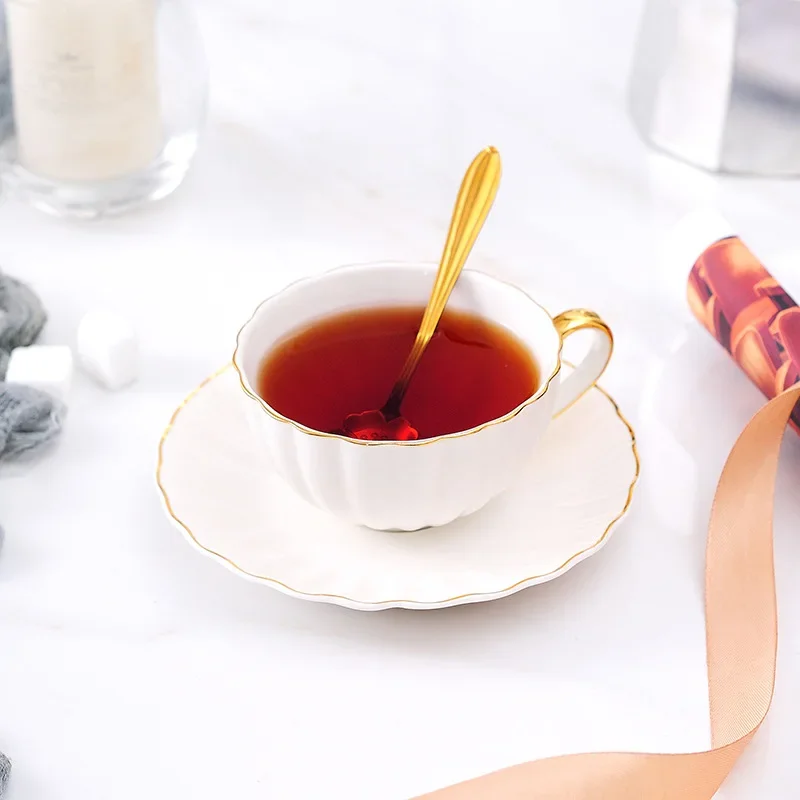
<point x="414" y="484"/>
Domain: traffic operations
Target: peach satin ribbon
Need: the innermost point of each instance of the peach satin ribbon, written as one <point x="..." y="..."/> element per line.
<point x="741" y="641"/>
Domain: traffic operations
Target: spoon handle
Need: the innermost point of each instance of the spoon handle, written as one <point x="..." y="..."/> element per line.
<point x="475" y="198"/>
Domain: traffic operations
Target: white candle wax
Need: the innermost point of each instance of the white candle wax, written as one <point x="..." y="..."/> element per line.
<point x="85" y="83"/>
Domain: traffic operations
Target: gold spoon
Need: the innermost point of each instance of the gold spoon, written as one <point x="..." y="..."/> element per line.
<point x="475" y="198"/>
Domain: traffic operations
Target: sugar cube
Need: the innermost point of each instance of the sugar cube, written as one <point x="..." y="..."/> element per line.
<point x="108" y="349"/>
<point x="44" y="367"/>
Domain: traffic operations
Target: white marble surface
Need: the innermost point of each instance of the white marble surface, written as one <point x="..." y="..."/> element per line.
<point x="131" y="667"/>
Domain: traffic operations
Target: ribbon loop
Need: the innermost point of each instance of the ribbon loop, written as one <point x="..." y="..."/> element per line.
<point x="741" y="642"/>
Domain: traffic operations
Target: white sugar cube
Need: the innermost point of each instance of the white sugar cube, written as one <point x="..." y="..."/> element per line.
<point x="44" y="367"/>
<point x="108" y="349"/>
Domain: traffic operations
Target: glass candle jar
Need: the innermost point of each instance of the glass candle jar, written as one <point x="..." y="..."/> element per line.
<point x="107" y="101"/>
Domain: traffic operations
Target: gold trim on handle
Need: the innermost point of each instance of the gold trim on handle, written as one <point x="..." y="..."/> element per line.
<point x="407" y="603"/>
<point x="581" y="319"/>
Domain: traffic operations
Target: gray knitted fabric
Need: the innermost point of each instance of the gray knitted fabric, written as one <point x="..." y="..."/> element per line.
<point x="29" y="419"/>
<point x="22" y="317"/>
<point x="5" y="773"/>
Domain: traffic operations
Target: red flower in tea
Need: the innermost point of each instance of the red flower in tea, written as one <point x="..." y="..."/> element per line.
<point x="373" y="426"/>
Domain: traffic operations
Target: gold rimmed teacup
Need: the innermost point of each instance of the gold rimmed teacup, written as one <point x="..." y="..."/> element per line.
<point x="426" y="482"/>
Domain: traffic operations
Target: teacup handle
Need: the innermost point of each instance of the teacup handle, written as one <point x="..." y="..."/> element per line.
<point x="588" y="372"/>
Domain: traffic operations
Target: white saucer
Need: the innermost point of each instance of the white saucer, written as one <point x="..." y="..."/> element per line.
<point x="218" y="488"/>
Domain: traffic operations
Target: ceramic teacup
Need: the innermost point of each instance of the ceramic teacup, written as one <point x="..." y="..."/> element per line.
<point x="414" y="484"/>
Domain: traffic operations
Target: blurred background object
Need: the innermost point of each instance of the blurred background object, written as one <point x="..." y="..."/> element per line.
<point x="6" y="117"/>
<point x="717" y="83"/>
<point x="108" y="101"/>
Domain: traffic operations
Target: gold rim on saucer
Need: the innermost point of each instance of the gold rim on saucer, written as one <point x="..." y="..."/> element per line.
<point x="389" y="601"/>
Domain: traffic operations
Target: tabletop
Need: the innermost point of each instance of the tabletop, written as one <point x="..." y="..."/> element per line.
<point x="132" y="667"/>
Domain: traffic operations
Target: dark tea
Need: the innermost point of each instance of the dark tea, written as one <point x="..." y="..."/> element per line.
<point x="473" y="371"/>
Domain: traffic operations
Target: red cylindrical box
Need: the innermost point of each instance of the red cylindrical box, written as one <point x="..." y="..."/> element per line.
<point x="743" y="307"/>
